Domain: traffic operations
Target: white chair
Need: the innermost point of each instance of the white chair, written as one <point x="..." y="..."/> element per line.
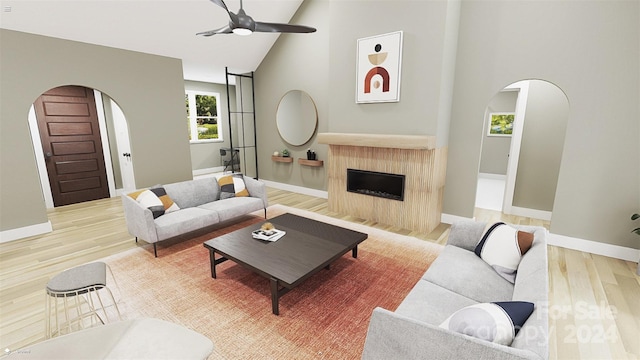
<point x="79" y="298"/>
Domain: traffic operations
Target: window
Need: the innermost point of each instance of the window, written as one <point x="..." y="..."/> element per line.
<point x="202" y="116"/>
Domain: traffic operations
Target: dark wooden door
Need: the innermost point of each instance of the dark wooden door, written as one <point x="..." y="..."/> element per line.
<point x="68" y="125"/>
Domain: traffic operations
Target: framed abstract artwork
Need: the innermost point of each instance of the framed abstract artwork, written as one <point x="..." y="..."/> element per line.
<point x="501" y="124"/>
<point x="378" y="65"/>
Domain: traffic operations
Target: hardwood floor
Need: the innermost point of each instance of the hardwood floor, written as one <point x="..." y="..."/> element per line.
<point x="594" y="300"/>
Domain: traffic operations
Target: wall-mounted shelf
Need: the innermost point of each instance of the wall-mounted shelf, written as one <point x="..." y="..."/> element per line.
<point x="283" y="159"/>
<point x="310" y="162"/>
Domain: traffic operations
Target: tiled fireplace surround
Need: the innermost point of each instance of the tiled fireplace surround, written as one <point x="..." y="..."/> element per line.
<point x="416" y="157"/>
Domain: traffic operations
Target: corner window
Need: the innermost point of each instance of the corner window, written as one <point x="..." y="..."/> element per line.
<point x="202" y="116"/>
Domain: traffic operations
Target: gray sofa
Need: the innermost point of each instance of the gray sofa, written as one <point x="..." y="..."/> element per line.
<point x="200" y="207"/>
<point x="459" y="278"/>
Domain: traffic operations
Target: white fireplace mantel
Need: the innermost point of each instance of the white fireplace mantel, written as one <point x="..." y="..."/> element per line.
<point x="415" y="142"/>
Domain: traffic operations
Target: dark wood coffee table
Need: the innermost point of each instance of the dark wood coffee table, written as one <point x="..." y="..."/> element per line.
<point x="308" y="247"/>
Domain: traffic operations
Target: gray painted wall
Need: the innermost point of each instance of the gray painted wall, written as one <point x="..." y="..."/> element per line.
<point x="424" y="24"/>
<point x="595" y="62"/>
<point x="296" y="62"/>
<point x="324" y="65"/>
<point x="591" y="51"/>
<point x="545" y="125"/>
<point x="495" y="149"/>
<point x="148" y="88"/>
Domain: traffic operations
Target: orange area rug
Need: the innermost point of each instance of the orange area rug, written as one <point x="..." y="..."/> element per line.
<point x="326" y="317"/>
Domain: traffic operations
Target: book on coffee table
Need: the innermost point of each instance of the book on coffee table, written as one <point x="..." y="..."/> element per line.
<point x="268" y="235"/>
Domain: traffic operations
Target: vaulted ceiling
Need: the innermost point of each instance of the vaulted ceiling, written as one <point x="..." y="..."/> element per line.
<point x="161" y="27"/>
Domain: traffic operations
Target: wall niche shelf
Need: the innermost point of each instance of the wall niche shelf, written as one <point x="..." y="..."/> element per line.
<point x="282" y="159"/>
<point x="306" y="162"/>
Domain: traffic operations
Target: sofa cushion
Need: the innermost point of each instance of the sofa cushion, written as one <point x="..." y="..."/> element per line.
<point x="464" y="273"/>
<point x="156" y="200"/>
<point x="466" y="234"/>
<point x="234" y="207"/>
<point x="497" y="322"/>
<point x="184" y="221"/>
<point x="431" y="303"/>
<point x="232" y="186"/>
<point x="193" y="193"/>
<point x="502" y="247"/>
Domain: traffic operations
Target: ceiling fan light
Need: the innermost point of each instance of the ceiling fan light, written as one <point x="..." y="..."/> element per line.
<point x="242" y="31"/>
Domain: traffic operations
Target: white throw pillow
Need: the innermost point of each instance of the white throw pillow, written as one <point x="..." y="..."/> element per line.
<point x="502" y="247"/>
<point x="496" y="322"/>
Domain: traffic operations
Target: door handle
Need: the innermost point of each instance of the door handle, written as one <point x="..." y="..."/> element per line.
<point x="48" y="154"/>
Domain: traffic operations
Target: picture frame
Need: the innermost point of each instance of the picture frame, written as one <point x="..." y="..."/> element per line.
<point x="501" y="123"/>
<point x="378" y="68"/>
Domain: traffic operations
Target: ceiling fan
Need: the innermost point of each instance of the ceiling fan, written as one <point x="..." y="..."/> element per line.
<point x="243" y="24"/>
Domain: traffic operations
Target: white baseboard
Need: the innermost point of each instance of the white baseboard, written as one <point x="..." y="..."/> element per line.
<point x="594" y="247"/>
<point x="23" y="232"/>
<point x="297" y="189"/>
<point x="532" y="213"/>
<point x="450" y="219"/>
<point x="213" y="170"/>
<point x="567" y="242"/>
<point x="492" y="176"/>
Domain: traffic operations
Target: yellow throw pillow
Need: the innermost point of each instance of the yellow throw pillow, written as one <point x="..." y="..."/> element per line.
<point x="232" y="186"/>
<point x="156" y="200"/>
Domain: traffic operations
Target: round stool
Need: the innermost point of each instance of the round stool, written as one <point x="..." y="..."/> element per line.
<point x="74" y="299"/>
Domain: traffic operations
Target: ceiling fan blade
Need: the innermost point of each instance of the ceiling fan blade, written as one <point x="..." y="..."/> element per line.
<point x="223" y="30"/>
<point x="284" y="28"/>
<point x="243" y="24"/>
<point x="232" y="16"/>
<point x="221" y="4"/>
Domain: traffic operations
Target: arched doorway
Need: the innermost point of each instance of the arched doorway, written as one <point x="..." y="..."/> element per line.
<point x="521" y="168"/>
<point x="75" y="146"/>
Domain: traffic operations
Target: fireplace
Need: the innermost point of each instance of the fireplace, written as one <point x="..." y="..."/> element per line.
<point x="384" y="185"/>
<point x="420" y="188"/>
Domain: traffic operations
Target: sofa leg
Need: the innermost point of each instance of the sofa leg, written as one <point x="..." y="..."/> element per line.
<point x="136" y="239"/>
<point x="265" y="213"/>
<point x="155" y="250"/>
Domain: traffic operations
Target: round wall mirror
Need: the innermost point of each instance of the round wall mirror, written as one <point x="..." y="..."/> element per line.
<point x="297" y="117"/>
